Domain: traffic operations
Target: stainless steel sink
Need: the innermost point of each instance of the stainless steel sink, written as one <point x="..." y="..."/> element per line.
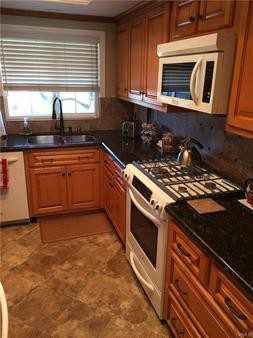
<point x="58" y="140"/>
<point x="83" y="138"/>
<point x="46" y="139"/>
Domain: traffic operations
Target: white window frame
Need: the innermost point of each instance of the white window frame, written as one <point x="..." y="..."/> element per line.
<point x="10" y="31"/>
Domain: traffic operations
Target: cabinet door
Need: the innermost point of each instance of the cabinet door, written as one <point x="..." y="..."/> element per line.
<point x="83" y="186"/>
<point x="122" y="48"/>
<point x="136" y="58"/>
<point x="184" y="18"/>
<point x="119" y="214"/>
<point x="214" y="14"/>
<point x="108" y="193"/>
<point x="48" y="190"/>
<point x="240" y="116"/>
<point x="157" y="31"/>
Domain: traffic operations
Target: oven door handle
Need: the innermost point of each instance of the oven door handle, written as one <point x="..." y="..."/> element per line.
<point x="142" y="210"/>
<point x="139" y="276"/>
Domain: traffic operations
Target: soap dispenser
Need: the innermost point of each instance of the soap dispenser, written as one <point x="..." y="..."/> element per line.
<point x="26" y="128"/>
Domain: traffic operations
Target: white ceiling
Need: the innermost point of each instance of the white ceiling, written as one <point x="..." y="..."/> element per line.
<point x="96" y="7"/>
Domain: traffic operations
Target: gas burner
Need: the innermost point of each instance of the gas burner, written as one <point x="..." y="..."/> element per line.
<point x="158" y="171"/>
<point x="182" y="189"/>
<point x="210" y="185"/>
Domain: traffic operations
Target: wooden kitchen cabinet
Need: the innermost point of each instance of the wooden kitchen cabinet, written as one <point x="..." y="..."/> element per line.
<point x="48" y="190"/>
<point x="136" y="57"/>
<point x="240" y="113"/>
<point x="122" y="47"/>
<point x="62" y="181"/>
<point x="114" y="191"/>
<point x="192" y="17"/>
<point x="147" y="28"/>
<point x="184" y="20"/>
<point x="83" y="182"/>
<point x="213" y="306"/>
<point x="157" y="28"/>
<point x="215" y="15"/>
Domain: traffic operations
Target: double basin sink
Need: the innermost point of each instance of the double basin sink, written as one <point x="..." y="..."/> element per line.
<point x="61" y="140"/>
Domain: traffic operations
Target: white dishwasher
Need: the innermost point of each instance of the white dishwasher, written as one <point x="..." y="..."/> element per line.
<point x="13" y="201"/>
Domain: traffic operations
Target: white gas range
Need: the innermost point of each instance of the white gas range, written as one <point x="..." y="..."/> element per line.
<point x="152" y="185"/>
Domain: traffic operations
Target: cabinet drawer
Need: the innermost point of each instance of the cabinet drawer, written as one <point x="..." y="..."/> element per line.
<point x="198" y="262"/>
<point x="236" y="306"/>
<point x="114" y="169"/>
<point x="179" y="321"/>
<point x="190" y="297"/>
<point x="61" y="157"/>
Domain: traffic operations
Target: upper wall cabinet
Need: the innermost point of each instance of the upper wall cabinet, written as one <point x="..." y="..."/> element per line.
<point x="240" y="115"/>
<point x="122" y="45"/>
<point x="136" y="52"/>
<point x="189" y="17"/>
<point x="147" y="28"/>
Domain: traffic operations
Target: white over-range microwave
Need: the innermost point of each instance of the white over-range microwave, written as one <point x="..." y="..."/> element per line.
<point x="196" y="73"/>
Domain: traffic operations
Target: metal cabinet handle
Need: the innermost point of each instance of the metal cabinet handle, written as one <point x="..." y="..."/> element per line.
<point x="233" y="308"/>
<point x="179" y="331"/>
<point x="69" y="174"/>
<point x="182" y="250"/>
<point x="192" y="18"/>
<point x="178" y="287"/>
<point x="63" y="174"/>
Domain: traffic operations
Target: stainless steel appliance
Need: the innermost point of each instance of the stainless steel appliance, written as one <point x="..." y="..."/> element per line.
<point x="152" y="185"/>
<point x="196" y="73"/>
<point x="131" y="129"/>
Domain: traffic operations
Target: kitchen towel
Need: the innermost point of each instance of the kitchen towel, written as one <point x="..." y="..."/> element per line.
<point x="4" y="180"/>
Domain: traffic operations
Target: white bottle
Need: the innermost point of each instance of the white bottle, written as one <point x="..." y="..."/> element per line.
<point x="26" y="128"/>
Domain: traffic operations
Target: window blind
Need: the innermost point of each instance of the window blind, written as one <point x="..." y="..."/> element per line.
<point x="32" y="64"/>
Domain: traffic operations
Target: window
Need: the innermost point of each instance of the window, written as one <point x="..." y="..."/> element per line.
<point x="37" y="67"/>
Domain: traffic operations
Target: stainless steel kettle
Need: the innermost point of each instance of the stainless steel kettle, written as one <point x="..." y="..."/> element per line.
<point x="188" y="153"/>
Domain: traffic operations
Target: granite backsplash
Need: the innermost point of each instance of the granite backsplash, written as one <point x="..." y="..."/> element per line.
<point x="231" y="155"/>
<point x="112" y="113"/>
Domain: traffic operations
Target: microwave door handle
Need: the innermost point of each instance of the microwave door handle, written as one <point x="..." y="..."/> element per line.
<point x="139" y="276"/>
<point x="142" y="210"/>
<point x="193" y="81"/>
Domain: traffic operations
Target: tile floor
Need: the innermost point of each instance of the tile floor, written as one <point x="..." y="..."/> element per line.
<point x="75" y="288"/>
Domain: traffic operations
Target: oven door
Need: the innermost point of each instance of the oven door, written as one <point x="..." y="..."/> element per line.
<point x="147" y="237"/>
<point x="188" y="81"/>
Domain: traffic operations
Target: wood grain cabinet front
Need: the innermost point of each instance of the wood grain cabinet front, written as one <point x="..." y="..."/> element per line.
<point x="191" y="17"/>
<point x="48" y="190"/>
<point x="213" y="306"/>
<point x="114" y="195"/>
<point x="54" y="188"/>
<point x="122" y="61"/>
<point x="146" y="29"/>
<point x="240" y="113"/>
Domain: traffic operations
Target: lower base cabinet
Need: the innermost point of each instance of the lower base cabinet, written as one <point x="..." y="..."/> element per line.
<point x="114" y="196"/>
<point x="205" y="304"/>
<point x="62" y="181"/>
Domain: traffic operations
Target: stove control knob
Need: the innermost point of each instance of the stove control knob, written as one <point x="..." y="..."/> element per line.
<point x="152" y="202"/>
<point x="157" y="207"/>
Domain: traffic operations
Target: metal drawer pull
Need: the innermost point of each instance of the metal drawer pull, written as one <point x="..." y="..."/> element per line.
<point x="182" y="250"/>
<point x="179" y="331"/>
<point x="69" y="174"/>
<point x="63" y="174"/>
<point x="178" y="287"/>
<point x="232" y="307"/>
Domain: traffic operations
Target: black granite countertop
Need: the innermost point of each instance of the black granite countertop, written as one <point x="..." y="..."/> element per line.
<point x="124" y="150"/>
<point x="226" y="236"/>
